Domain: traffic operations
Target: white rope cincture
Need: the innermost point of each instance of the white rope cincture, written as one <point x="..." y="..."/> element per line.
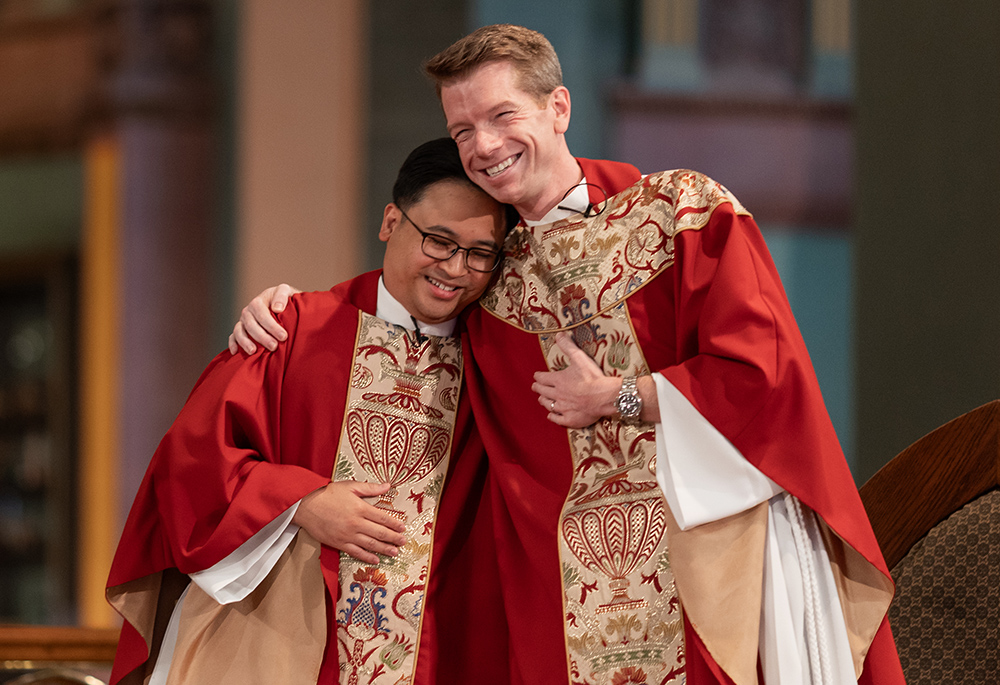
<point x="817" y="643"/>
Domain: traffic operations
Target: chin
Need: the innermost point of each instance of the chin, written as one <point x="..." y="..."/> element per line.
<point x="435" y="317"/>
<point x="501" y="193"/>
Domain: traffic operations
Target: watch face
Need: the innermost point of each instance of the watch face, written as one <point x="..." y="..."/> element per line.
<point x="629" y="406"/>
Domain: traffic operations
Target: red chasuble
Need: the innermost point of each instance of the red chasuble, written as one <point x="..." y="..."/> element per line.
<point x="673" y="276"/>
<point x="348" y="396"/>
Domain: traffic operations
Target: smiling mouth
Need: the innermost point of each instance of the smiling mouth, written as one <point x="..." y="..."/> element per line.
<point x="494" y="170"/>
<point x="440" y="285"/>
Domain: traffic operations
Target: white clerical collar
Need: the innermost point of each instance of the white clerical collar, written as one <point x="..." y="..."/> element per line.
<point x="388" y="308"/>
<point x="576" y="202"/>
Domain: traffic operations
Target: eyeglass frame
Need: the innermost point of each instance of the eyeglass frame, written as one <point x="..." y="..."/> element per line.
<point x="424" y="235"/>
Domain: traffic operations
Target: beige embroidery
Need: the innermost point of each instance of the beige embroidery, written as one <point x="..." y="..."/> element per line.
<point x="595" y="263"/>
<point x="623" y="618"/>
<point x="398" y="430"/>
<point x="621" y="603"/>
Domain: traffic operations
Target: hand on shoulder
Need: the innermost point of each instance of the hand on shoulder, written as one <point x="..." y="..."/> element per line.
<point x="256" y="323"/>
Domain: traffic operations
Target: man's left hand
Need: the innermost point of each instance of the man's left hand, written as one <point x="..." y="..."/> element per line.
<point x="580" y="394"/>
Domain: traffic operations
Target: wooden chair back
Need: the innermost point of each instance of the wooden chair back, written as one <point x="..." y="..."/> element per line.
<point x="935" y="509"/>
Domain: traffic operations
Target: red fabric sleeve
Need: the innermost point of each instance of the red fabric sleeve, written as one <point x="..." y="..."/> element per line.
<point x="734" y="350"/>
<point x="732" y="347"/>
<point x="219" y="474"/>
<point x="227" y="477"/>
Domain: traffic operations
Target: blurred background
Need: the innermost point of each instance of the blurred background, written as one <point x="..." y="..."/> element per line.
<point x="162" y="161"/>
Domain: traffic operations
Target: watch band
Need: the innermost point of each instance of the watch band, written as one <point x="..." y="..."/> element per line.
<point x="629" y="403"/>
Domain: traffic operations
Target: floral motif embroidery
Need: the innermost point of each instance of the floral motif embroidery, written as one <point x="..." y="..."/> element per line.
<point x="575" y="275"/>
<point x="595" y="262"/>
<point x="398" y="429"/>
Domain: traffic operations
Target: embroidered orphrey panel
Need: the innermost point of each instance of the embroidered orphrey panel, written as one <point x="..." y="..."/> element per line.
<point x="623" y="618"/>
<point x="398" y="429"/>
<point x="557" y="275"/>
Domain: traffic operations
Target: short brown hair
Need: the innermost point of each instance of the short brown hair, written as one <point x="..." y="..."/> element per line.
<point x="532" y="54"/>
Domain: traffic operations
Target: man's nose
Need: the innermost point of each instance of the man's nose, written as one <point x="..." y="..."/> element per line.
<point x="487" y="142"/>
<point x="455" y="264"/>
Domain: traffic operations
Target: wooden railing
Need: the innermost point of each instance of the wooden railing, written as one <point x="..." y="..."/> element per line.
<point x="84" y="650"/>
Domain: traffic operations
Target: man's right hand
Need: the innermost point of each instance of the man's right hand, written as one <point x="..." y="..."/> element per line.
<point x="257" y="324"/>
<point x="338" y="516"/>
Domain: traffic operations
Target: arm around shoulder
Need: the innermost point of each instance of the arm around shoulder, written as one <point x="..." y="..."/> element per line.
<point x="256" y="323"/>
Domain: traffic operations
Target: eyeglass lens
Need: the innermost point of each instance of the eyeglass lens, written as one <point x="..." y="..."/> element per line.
<point x="442" y="248"/>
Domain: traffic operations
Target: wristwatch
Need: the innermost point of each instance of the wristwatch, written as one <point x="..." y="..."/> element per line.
<point x="629" y="404"/>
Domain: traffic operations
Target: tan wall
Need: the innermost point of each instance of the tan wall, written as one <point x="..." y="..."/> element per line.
<point x="300" y="144"/>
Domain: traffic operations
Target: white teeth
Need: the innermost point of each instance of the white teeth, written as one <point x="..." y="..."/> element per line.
<point x="439" y="284"/>
<point x="494" y="170"/>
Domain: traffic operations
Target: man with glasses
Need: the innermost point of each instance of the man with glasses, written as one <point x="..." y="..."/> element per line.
<point x="320" y="515"/>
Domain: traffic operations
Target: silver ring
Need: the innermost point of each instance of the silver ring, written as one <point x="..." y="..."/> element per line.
<point x="552" y="405"/>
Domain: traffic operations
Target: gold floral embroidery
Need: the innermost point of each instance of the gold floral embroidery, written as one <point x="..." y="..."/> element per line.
<point x="598" y="261"/>
<point x="398" y="430"/>
<point x="575" y="275"/>
<point x="619" y="592"/>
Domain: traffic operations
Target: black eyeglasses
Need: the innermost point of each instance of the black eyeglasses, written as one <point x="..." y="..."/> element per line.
<point x="441" y="248"/>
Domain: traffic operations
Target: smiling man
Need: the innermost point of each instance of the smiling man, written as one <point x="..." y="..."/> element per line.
<point x="436" y="277"/>
<point x="687" y="363"/>
<point x="678" y="509"/>
<point x="254" y="532"/>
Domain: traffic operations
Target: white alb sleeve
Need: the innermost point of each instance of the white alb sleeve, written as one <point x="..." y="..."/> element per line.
<point x="702" y="474"/>
<point x="230" y="580"/>
<point x="236" y="576"/>
<point x="705" y="478"/>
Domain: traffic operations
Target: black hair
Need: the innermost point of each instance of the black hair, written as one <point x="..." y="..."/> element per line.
<point x="432" y="162"/>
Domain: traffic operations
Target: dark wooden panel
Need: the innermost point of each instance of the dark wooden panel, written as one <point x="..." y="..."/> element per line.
<point x="47" y="77"/>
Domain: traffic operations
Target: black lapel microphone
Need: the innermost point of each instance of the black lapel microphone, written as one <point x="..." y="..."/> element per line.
<point x="421" y="338"/>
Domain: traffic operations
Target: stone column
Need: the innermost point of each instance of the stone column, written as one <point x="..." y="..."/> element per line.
<point x="152" y="126"/>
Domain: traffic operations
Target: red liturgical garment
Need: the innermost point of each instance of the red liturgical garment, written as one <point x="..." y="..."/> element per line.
<point x="671" y="277"/>
<point x="348" y="396"/>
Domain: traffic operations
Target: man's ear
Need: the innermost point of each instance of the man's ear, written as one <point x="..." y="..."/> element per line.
<point x="560" y="103"/>
<point x="391" y="216"/>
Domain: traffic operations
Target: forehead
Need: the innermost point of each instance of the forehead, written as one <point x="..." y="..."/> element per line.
<point x="458" y="208"/>
<point x="485" y="86"/>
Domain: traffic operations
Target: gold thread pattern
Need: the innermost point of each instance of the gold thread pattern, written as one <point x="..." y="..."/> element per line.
<point x="623" y="617"/>
<point x="399" y="428"/>
<point x="621" y="603"/>
<point x="558" y="275"/>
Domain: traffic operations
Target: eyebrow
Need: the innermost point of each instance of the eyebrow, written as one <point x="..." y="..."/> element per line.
<point x="506" y="104"/>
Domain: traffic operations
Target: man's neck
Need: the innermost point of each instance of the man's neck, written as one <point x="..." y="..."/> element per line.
<point x="576" y="201"/>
